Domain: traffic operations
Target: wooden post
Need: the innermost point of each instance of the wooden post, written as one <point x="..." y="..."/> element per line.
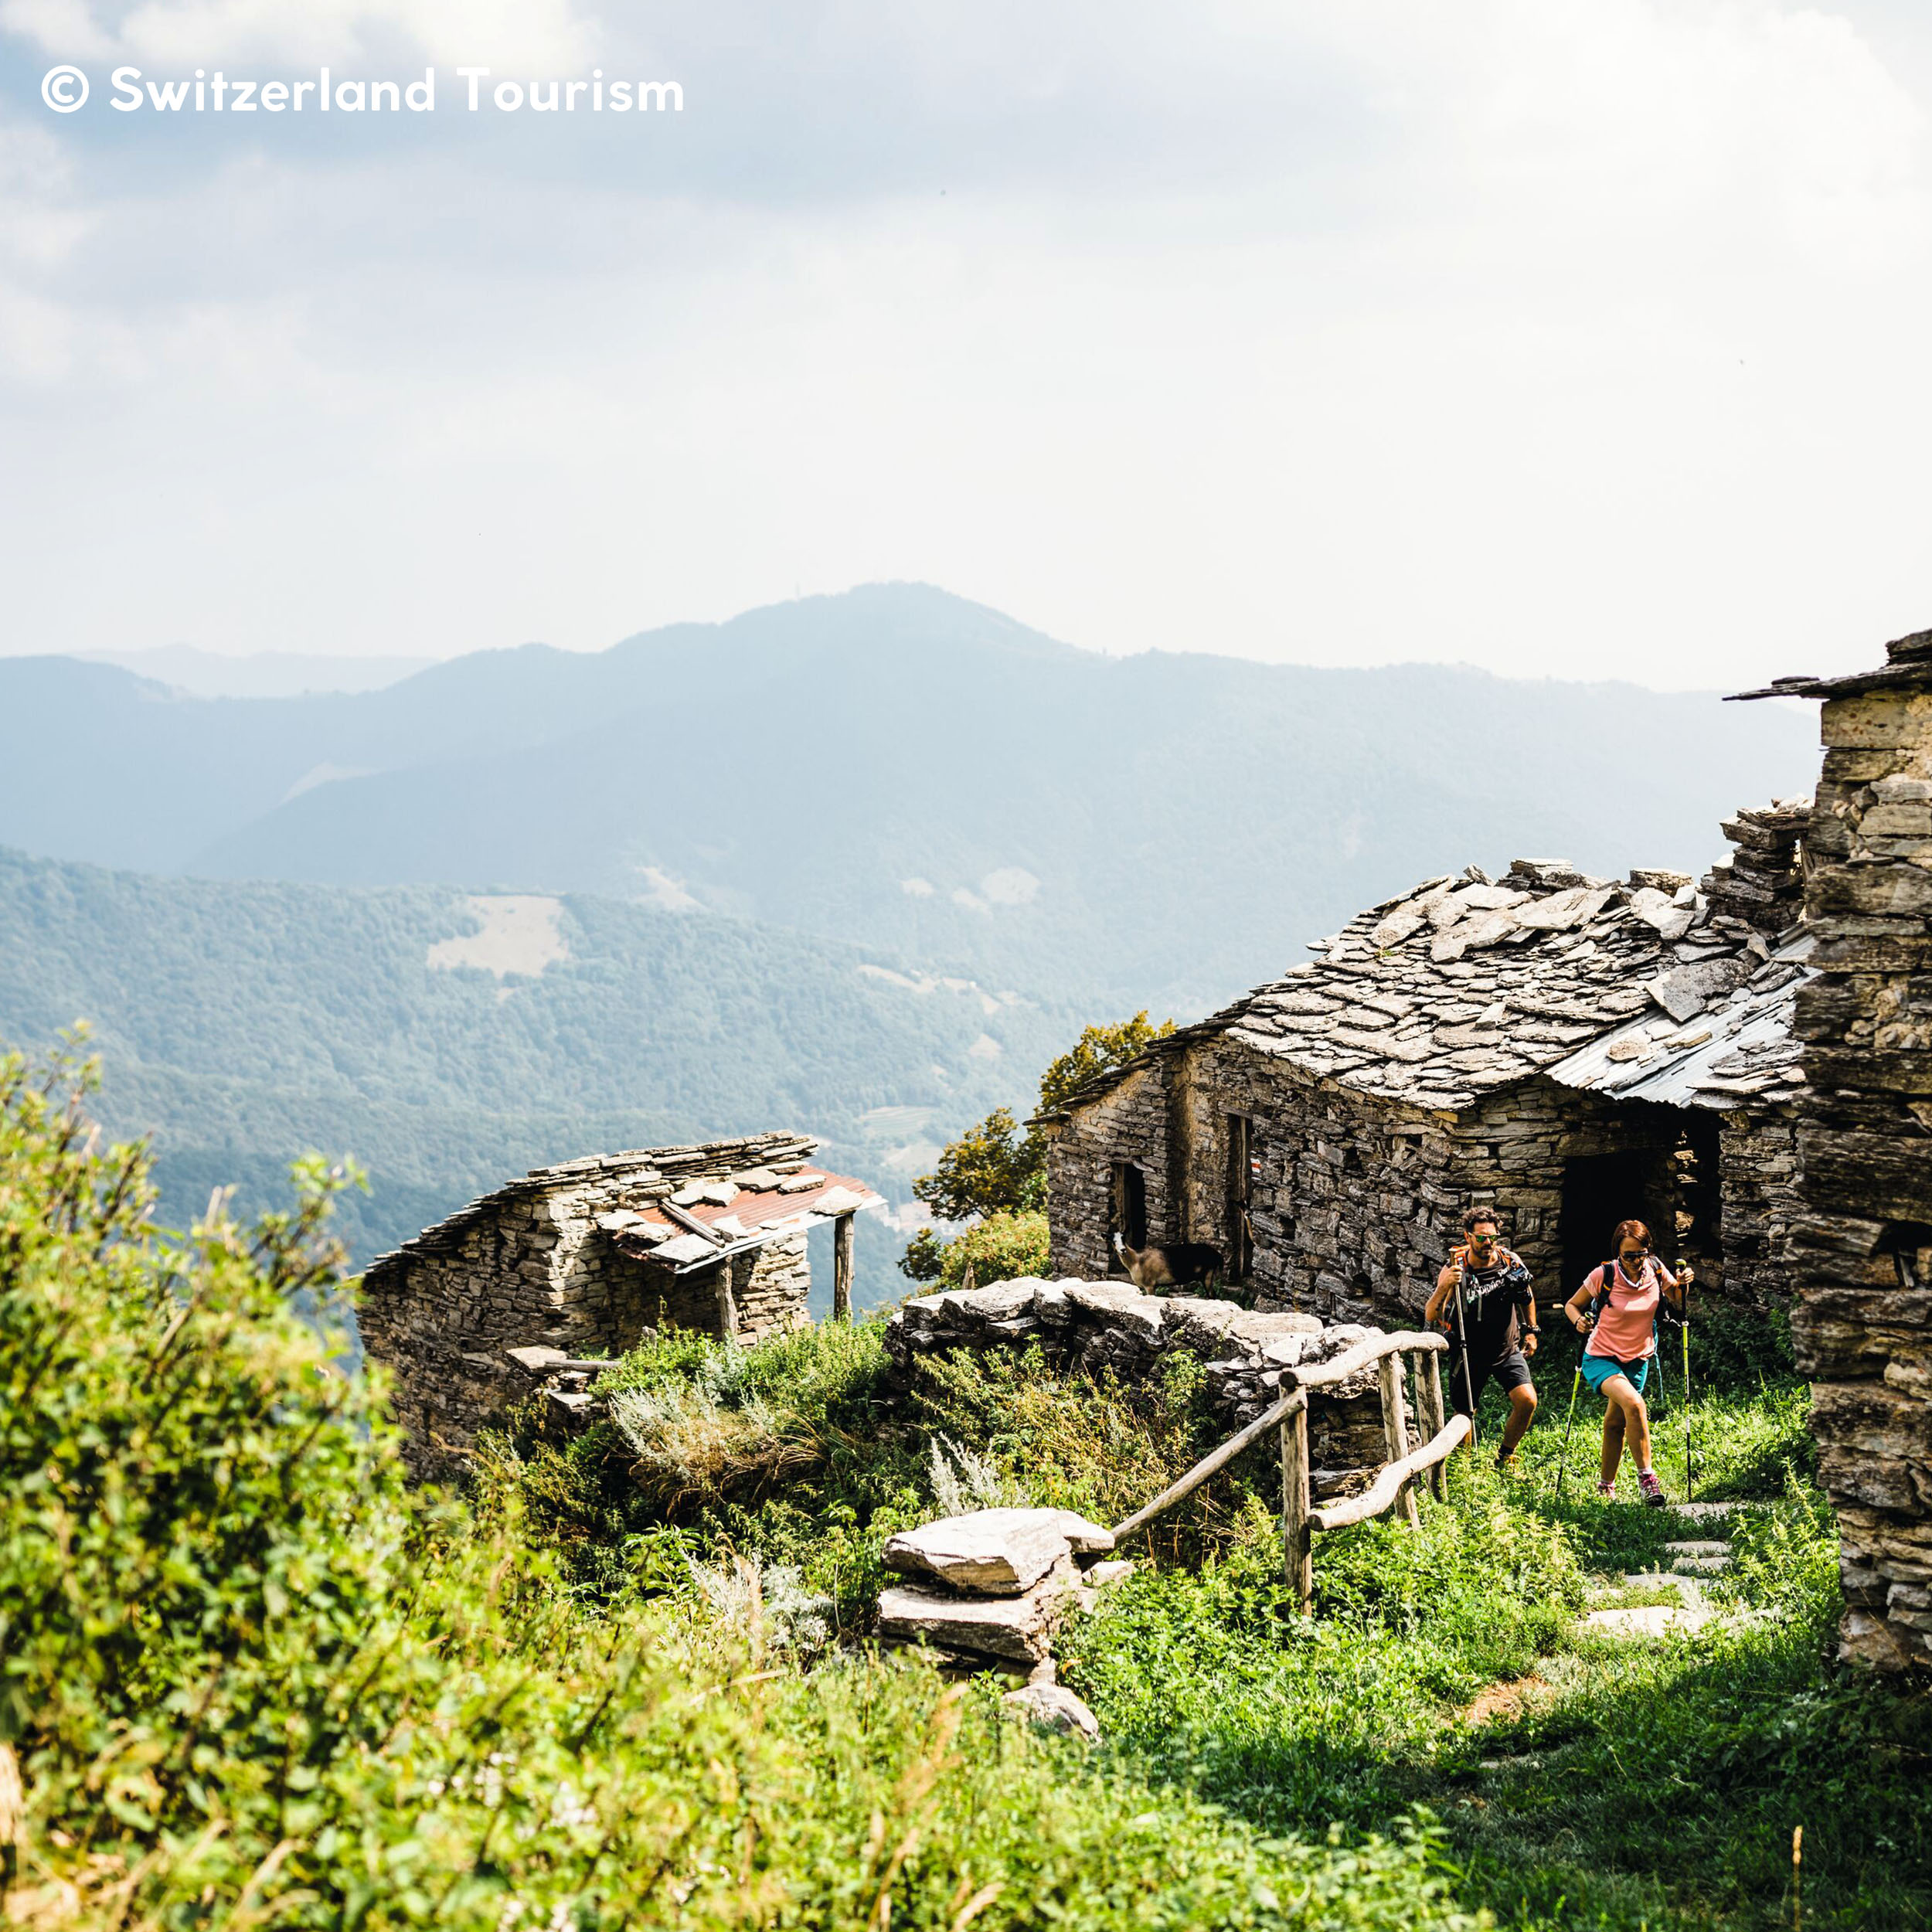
<point x="727" y="1305"/>
<point x="1395" y="1425"/>
<point x="1433" y="1420"/>
<point x="1298" y="1559"/>
<point x="841" y="1268"/>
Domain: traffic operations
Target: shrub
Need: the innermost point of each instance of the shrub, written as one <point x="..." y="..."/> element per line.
<point x="247" y="1678"/>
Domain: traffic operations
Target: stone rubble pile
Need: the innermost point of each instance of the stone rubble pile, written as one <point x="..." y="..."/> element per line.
<point x="993" y="1588"/>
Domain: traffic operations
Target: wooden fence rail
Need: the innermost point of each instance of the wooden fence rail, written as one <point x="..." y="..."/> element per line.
<point x="1397" y="1359"/>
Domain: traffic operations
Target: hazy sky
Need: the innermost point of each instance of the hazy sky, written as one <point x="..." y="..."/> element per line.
<point x="1568" y="337"/>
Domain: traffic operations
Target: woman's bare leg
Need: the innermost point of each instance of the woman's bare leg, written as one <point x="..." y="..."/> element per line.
<point x="1613" y="1440"/>
<point x="1634" y="1418"/>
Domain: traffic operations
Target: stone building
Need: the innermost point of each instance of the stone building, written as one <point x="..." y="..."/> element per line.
<point x="1862" y="1242"/>
<point x="1568" y="1049"/>
<point x="582" y="1261"/>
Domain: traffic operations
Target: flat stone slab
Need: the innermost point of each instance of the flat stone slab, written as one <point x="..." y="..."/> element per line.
<point x="1019" y="1627"/>
<point x="1002" y="1552"/>
<point x="1703" y="1546"/>
<point x="1648" y="1619"/>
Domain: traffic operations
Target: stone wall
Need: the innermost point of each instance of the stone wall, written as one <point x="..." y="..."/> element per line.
<point x="1130" y="1123"/>
<point x="1863" y="1242"/>
<point x="1354" y="1201"/>
<point x="1108" y="1328"/>
<point x="1759" y="1204"/>
<point x="529" y="1266"/>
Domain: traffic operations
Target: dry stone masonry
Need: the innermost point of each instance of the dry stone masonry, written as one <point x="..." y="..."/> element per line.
<point x="1568" y="1049"/>
<point x="582" y="1261"/>
<point x="1862" y="1239"/>
<point x="1110" y="1328"/>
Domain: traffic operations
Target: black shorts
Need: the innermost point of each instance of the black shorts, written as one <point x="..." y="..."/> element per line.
<point x="1508" y="1371"/>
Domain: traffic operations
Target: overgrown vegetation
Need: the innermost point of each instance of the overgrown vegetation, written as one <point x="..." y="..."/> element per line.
<point x="1582" y="1780"/>
<point x="247" y="1679"/>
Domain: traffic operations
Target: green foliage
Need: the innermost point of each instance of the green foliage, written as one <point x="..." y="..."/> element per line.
<point x="997" y="1248"/>
<point x="1099" y="1050"/>
<point x="249" y="1677"/>
<point x="244" y="1024"/>
<point x="991" y="1168"/>
<point x="994" y="1169"/>
<point x="793" y="1453"/>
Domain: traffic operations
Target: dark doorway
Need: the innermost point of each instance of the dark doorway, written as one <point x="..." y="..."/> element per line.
<point x="1130" y="1208"/>
<point x="1599" y="1191"/>
<point x="1241" y="1165"/>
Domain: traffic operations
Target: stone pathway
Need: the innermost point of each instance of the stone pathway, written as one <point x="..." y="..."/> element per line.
<point x="1691" y="1558"/>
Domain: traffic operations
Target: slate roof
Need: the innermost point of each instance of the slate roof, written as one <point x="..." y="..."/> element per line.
<point x="1462" y="985"/>
<point x="1741" y="1047"/>
<point x="654" y="1171"/>
<point x="1908" y="666"/>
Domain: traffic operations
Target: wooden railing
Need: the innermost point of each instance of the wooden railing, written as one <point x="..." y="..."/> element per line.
<point x="1397" y="1358"/>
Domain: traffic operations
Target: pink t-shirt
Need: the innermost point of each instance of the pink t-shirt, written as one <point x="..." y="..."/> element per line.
<point x="1626" y="1329"/>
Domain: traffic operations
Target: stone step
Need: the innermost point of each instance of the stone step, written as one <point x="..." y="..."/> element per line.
<point x="1705" y="1546"/>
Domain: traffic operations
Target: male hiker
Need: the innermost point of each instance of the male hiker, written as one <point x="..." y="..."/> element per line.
<point x="1479" y="1298"/>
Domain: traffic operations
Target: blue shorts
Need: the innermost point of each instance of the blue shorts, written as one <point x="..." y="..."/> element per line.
<point x="1599" y="1369"/>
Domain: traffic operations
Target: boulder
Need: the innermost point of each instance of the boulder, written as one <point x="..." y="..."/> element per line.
<point x="1054" y="1708"/>
<point x="1005" y="1552"/>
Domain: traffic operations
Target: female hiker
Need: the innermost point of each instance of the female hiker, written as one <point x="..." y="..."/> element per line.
<point x="1616" y="1308"/>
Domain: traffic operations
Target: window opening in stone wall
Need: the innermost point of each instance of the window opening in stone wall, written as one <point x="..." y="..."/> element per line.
<point x="1242" y="1163"/>
<point x="1129" y="1210"/>
<point x="1599" y="1191"/>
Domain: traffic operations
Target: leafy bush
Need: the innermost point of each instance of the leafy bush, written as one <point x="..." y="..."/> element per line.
<point x="249" y="1678"/>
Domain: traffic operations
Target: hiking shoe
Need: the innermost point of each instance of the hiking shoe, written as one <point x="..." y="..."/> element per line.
<point x="1606" y="1492"/>
<point x="1653" y="1490"/>
<point x="1508" y="1466"/>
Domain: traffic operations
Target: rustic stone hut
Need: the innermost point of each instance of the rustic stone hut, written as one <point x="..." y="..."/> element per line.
<point x="1568" y="1049"/>
<point x="582" y="1261"/>
<point x="1862" y="1242"/>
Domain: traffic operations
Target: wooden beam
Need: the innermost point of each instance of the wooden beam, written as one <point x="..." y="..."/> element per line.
<point x="1394" y="1427"/>
<point x="1298" y="1559"/>
<point x="1292" y="1403"/>
<point x="1429" y="1374"/>
<point x="841" y="1238"/>
<point x="691" y="1221"/>
<point x="727" y="1304"/>
<point x="1354" y="1360"/>
<point x="1384" y="1490"/>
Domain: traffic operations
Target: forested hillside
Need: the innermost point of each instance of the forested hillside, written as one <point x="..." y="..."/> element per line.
<point x="244" y="1024"/>
<point x="901" y="768"/>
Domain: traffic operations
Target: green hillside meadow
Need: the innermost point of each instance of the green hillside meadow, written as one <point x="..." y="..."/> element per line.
<point x="248" y="1679"/>
<point x="242" y="1024"/>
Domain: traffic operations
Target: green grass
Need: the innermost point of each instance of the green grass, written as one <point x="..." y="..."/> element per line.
<point x="1638" y="1784"/>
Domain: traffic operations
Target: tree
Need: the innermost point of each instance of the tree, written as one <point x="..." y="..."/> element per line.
<point x="994" y="1169"/>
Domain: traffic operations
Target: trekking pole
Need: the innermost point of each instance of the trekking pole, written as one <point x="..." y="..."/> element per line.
<point x="1462" y="1342"/>
<point x="1562" y="1461"/>
<point x="1689" y="1489"/>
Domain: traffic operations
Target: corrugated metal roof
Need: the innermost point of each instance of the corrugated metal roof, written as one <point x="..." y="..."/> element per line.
<point x="1740" y="1049"/>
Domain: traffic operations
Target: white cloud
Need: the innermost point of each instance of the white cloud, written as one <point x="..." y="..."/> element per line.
<point x="1564" y="336"/>
<point x="917" y="888"/>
